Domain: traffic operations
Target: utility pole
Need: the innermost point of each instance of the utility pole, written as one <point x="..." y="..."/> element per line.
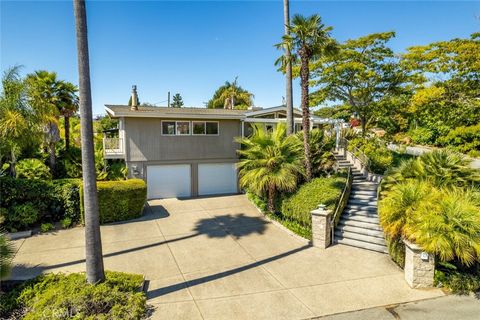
<point x="168" y="103"/>
<point x="288" y="71"/>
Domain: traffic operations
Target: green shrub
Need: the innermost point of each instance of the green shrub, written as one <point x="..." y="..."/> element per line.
<point x="119" y="200"/>
<point x="66" y="222"/>
<point x="463" y="139"/>
<point x="54" y="199"/>
<point x="459" y="282"/>
<point x="22" y="215"/>
<point x="46" y="227"/>
<point x="323" y="190"/>
<point x="381" y="158"/>
<point x="396" y="249"/>
<point x="67" y="193"/>
<point x="421" y="135"/>
<point x="59" y="296"/>
<point x="32" y="169"/>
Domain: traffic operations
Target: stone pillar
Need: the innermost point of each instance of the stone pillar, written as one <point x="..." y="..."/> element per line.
<point x="419" y="266"/>
<point x="321" y="227"/>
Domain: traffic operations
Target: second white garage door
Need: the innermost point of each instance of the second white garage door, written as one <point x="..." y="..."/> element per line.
<point x="168" y="181"/>
<point x="217" y="178"/>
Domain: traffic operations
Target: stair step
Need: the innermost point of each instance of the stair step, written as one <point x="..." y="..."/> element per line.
<point x="364" y="197"/>
<point x="361" y="218"/>
<point x="361" y="208"/>
<point x="364" y="192"/>
<point x="363" y="213"/>
<point x="360" y="224"/>
<point x="360" y="237"/>
<point x="361" y="244"/>
<point x="362" y="231"/>
<point x="364" y="187"/>
<point x="365" y="202"/>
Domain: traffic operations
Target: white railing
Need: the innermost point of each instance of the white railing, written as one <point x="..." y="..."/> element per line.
<point x="113" y="146"/>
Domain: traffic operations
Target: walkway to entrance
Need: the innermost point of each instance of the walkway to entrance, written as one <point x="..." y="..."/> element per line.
<point x="217" y="258"/>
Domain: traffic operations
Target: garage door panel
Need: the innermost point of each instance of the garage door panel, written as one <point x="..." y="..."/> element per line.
<point x="169" y="181"/>
<point x="217" y="178"/>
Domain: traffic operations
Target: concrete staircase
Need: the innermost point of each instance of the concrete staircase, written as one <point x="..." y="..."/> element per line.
<point x="359" y="225"/>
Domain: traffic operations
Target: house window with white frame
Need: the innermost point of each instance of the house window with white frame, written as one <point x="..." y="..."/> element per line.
<point x="168" y="128"/>
<point x="183" y="128"/>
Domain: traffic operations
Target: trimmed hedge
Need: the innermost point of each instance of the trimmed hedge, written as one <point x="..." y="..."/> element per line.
<point x="51" y="200"/>
<point x="119" y="200"/>
<point x="323" y="190"/>
<point x="60" y="296"/>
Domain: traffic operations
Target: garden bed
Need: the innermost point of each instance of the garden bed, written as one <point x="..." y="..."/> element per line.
<point x="293" y="210"/>
<point x="60" y="296"/>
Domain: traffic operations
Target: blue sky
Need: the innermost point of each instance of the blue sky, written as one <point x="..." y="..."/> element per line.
<point x="193" y="47"/>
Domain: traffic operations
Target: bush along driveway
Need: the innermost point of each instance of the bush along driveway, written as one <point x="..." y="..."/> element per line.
<point x="218" y="258"/>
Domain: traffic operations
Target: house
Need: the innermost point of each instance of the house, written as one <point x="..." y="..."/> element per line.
<point x="187" y="152"/>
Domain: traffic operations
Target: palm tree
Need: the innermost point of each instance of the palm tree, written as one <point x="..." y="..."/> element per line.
<point x="93" y="242"/>
<point x="288" y="70"/>
<point x="231" y="96"/>
<point x="308" y="39"/>
<point x="17" y="125"/>
<point x="67" y="106"/>
<point x="270" y="162"/>
<point x="43" y="97"/>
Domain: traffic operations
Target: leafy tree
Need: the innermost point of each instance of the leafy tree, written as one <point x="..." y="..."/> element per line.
<point x="177" y="101"/>
<point x="446" y="76"/>
<point x="270" y="162"/>
<point x="308" y="39"/>
<point x="335" y="112"/>
<point x="230" y="96"/>
<point x="364" y="72"/>
<point x="93" y="243"/>
<point x="17" y="118"/>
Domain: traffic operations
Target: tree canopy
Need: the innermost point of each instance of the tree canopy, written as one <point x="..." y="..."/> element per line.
<point x="231" y="96"/>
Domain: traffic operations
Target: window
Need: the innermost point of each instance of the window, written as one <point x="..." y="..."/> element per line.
<point x="168" y="127"/>
<point x="183" y="128"/>
<point x="211" y="128"/>
<point x="198" y="127"/>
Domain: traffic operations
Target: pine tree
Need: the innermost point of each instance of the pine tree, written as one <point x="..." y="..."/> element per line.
<point x="177" y="101"/>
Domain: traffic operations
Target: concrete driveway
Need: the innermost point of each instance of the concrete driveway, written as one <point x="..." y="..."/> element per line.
<point x="218" y="258"/>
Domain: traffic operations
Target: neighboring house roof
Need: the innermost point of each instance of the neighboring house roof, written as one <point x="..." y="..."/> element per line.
<point x="250" y="113"/>
<point x="117" y="111"/>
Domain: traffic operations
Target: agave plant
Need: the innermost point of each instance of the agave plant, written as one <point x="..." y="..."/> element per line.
<point x="270" y="162"/>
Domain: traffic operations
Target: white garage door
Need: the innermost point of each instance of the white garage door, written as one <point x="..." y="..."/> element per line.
<point x="217" y="178"/>
<point x="168" y="181"/>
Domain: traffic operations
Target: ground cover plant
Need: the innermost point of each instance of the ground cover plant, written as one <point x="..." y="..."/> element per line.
<point x="60" y="296"/>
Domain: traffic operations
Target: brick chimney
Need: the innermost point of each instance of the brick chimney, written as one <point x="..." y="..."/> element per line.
<point x="134" y="105"/>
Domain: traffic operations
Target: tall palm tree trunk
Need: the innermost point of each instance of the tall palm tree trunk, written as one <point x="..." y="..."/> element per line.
<point x="67" y="132"/>
<point x="288" y="71"/>
<point x="304" y="75"/>
<point x="93" y="242"/>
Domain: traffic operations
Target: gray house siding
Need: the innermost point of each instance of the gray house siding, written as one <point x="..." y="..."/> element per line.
<point x="146" y="146"/>
<point x="145" y="142"/>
